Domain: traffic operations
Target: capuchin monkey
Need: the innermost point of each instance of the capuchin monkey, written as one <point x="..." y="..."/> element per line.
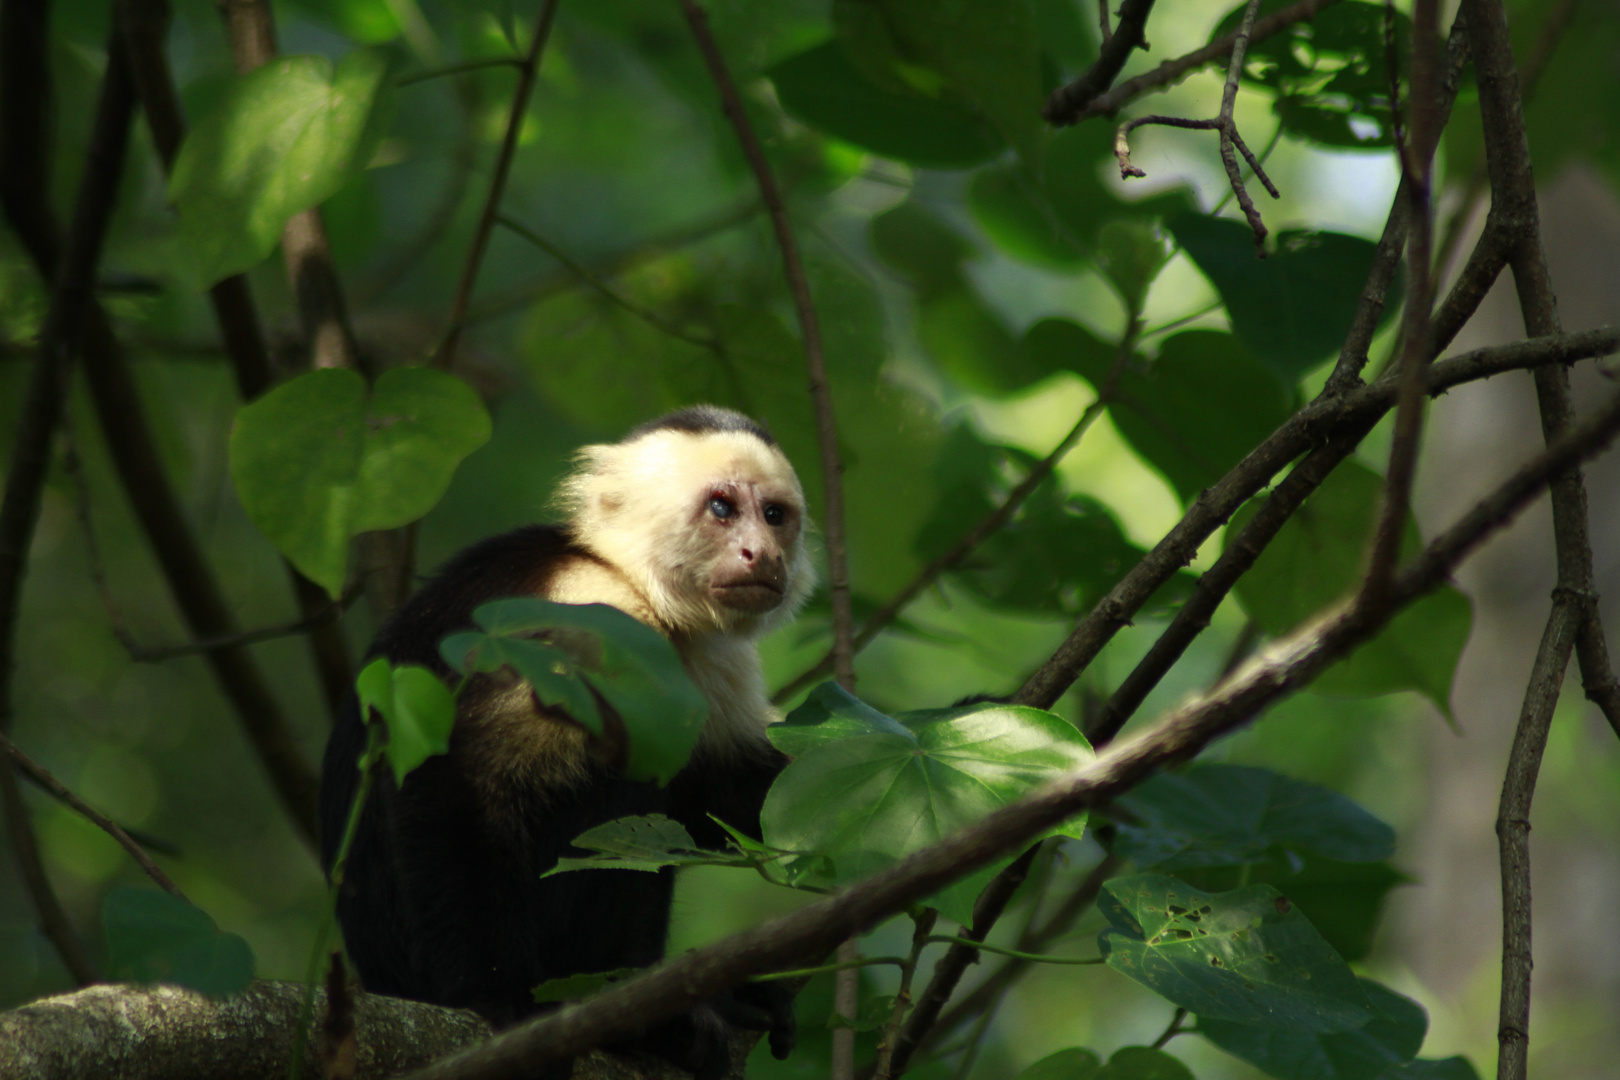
<point x="695" y="525"/>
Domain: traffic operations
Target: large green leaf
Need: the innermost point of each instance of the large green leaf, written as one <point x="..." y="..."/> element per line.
<point x="822" y="88"/>
<point x="283" y="139"/>
<point x="1246" y="955"/>
<point x="1076" y="161"/>
<point x="985" y="51"/>
<point x="1198" y="409"/>
<point x="1229" y="815"/>
<point x="317" y="460"/>
<point x="1451" y="1068"/>
<point x="415" y="705"/>
<point x="867" y="790"/>
<point x="1014" y="213"/>
<point x="155" y="937"/>
<point x="1392" y="1037"/>
<point x="1293" y="308"/>
<point x="1317" y="558"/>
<point x="593" y="650"/>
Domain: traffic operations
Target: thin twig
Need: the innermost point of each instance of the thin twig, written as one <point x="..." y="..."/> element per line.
<point x="1417" y="157"/>
<point x="1172" y="1030"/>
<point x="1066" y="101"/>
<point x="1284" y="668"/>
<point x="445" y="358"/>
<point x="1103" y="21"/>
<point x="843" y="618"/>
<point x="51" y="784"/>
<point x="1173" y="71"/>
<point x="922" y="922"/>
<point x="646" y="315"/>
<point x="1223" y="123"/>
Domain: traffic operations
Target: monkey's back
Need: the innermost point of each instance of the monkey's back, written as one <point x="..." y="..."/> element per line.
<point x="442" y="899"/>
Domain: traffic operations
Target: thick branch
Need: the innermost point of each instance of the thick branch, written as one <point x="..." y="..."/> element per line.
<point x="1282" y="669"/>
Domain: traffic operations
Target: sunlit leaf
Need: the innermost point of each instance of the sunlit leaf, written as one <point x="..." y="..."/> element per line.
<point x="415" y="705"/>
<point x="318" y="460"/>
<point x="284" y="138"/>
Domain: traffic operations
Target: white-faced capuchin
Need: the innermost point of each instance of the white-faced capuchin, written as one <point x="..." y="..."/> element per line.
<point x="694" y="525"/>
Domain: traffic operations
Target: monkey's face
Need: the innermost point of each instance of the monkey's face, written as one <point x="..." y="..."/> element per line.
<point x="750" y="525"/>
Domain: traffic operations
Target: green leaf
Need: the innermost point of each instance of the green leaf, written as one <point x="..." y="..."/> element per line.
<point x="1198" y="409"/>
<point x="1392" y="1037"/>
<point x="1246" y="955"/>
<point x="1076" y="160"/>
<point x="284" y="138"/>
<point x="1143" y="1063"/>
<point x="1317" y="558"/>
<point x="867" y="790"/>
<point x="1074" y="1063"/>
<point x="986" y="51"/>
<point x="1131" y="253"/>
<point x="1293" y="308"/>
<point x="1013" y="212"/>
<point x="872" y="1011"/>
<point x="417" y="707"/>
<point x="576" y="987"/>
<point x="1451" y="1068"/>
<point x="316" y="461"/>
<point x="1342" y="899"/>
<point x="155" y="937"/>
<point x="650" y="842"/>
<point x="1228" y="815"/>
<point x="634" y="669"/>
<point x="821" y="88"/>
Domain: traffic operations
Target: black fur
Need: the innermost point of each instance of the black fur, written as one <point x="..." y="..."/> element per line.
<point x="704" y="420"/>
<point x="443" y="903"/>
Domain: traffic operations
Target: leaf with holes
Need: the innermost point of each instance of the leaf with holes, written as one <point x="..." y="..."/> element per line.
<point x="319" y="459"/>
<point x="1246" y="955"/>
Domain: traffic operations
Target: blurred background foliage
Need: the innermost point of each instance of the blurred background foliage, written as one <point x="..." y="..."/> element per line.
<point x="977" y="278"/>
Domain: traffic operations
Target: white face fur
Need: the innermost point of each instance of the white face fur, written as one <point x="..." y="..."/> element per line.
<point x="708" y="526"/>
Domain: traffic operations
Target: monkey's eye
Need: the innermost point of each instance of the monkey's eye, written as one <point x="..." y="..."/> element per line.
<point x="775" y="514"/>
<point x="722" y="507"/>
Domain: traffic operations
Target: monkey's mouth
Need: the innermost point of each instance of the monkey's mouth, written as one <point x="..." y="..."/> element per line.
<point x="748" y="594"/>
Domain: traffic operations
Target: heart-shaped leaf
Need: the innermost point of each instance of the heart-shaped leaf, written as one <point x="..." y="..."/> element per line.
<point x="1392" y="1037"/>
<point x="415" y="705"/>
<point x="317" y="460"/>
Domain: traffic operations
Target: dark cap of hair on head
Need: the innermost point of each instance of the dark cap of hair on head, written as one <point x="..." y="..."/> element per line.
<point x="705" y="420"/>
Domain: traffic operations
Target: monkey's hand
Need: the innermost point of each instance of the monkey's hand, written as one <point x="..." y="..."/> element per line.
<point x="762" y="1006"/>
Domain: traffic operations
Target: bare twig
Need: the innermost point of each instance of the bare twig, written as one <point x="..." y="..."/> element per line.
<point x="1223" y="123"/>
<point x="989" y="524"/>
<point x="646" y="315"/>
<point x="1417" y="157"/>
<point x="1063" y="106"/>
<point x="1103" y="22"/>
<point x="1171" y="1030"/>
<point x="920" y="939"/>
<point x="528" y="70"/>
<point x="1171" y="72"/>
<point x="51" y="784"/>
<point x="1183" y="732"/>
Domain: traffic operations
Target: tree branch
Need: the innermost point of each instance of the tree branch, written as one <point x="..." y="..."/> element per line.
<point x="51" y="784"/>
<point x="528" y="70"/>
<point x="1173" y="71"/>
<point x="1285" y="667"/>
<point x="1064" y="106"/>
